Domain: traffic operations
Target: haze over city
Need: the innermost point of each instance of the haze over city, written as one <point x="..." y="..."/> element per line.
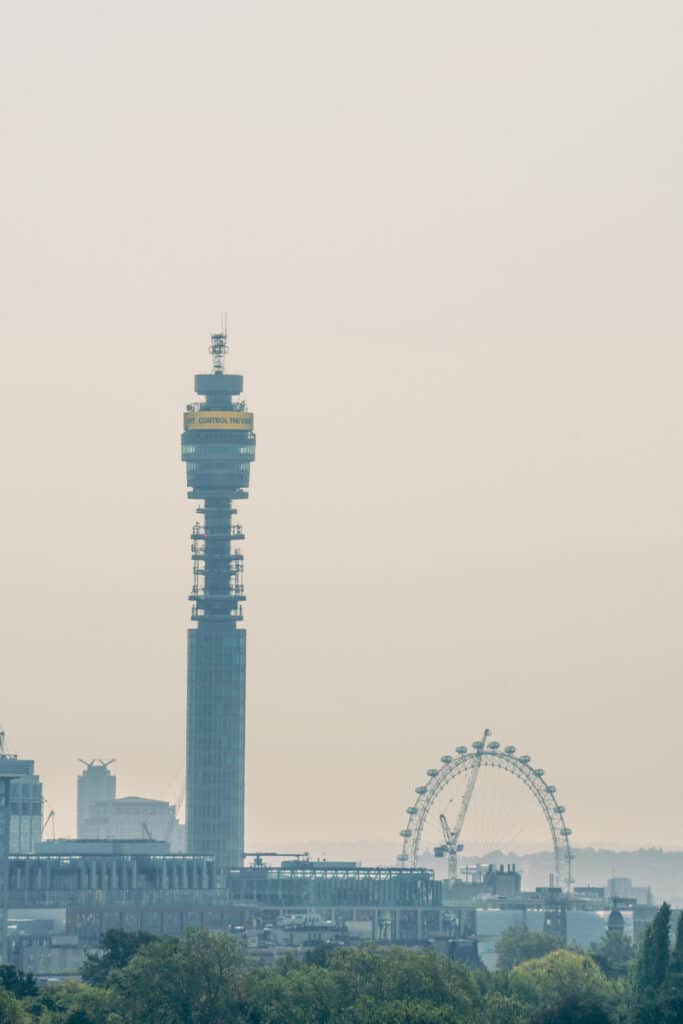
<point x="447" y="240"/>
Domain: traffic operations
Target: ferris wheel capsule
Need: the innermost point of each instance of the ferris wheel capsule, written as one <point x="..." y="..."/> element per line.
<point x="432" y="772"/>
<point x="510" y="750"/>
<point x="524" y="759"/>
<point x="494" y="745"/>
<point x="462" y="750"/>
<point x="446" y="759"/>
<point x="420" y="790"/>
<point x="411" y="810"/>
<point x="406" y="833"/>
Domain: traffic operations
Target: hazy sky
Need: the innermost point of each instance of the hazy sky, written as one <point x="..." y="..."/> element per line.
<point x="448" y="238"/>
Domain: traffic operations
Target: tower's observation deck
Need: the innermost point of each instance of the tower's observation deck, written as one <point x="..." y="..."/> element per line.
<point x="218" y="447"/>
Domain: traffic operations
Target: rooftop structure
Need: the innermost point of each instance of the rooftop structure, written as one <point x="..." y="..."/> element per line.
<point x="218" y="448"/>
<point x="102" y="848"/>
<point x="300" y="884"/>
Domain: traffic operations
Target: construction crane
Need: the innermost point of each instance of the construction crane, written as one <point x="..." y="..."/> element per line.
<point x="452" y="845"/>
<point x="50" y="818"/>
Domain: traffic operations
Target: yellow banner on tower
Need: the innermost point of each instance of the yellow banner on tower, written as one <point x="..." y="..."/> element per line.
<point x="217" y="420"/>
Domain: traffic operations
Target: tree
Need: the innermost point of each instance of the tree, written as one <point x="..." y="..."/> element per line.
<point x="575" y="1010"/>
<point x="11" y="1010"/>
<point x="671" y="1000"/>
<point x="196" y="980"/>
<point x="516" y="945"/>
<point x="366" y="986"/>
<point x="652" y="970"/>
<point x="16" y="982"/>
<point x="551" y="982"/>
<point x="613" y="955"/>
<point x="72" y="1002"/>
<point x="677" y="954"/>
<point x="119" y="948"/>
<point x="500" y="1008"/>
<point x="653" y="960"/>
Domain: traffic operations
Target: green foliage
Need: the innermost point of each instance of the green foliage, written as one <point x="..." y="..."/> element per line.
<point x="16" y="982"/>
<point x="205" y="979"/>
<point x="676" y="965"/>
<point x="11" y="1010"/>
<point x="199" y="980"/>
<point x="505" y="1009"/>
<point x="614" y="955"/>
<point x="575" y="1010"/>
<point x="553" y="981"/>
<point x="119" y="949"/>
<point x="673" y="999"/>
<point x="72" y="1002"/>
<point x="653" y="960"/>
<point x="516" y="945"/>
<point x="365" y="986"/>
<point x="651" y="973"/>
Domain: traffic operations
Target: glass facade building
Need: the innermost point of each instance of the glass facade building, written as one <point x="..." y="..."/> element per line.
<point x="10" y="769"/>
<point x="26" y="810"/>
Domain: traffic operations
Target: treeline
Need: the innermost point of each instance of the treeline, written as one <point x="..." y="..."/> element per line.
<point x="206" y="979"/>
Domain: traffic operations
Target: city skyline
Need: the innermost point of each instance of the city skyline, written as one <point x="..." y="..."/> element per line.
<point x="453" y="295"/>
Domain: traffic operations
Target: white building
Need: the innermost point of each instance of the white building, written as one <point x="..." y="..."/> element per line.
<point x="135" y="817"/>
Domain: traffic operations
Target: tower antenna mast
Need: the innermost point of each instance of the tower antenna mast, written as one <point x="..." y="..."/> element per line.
<point x="219" y="346"/>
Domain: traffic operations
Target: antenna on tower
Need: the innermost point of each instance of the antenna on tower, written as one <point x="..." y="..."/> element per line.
<point x="219" y="346"/>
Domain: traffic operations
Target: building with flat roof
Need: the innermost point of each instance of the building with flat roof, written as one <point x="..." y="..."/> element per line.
<point x="135" y="817"/>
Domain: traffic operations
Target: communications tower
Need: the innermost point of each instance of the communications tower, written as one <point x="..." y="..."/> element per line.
<point x="218" y="449"/>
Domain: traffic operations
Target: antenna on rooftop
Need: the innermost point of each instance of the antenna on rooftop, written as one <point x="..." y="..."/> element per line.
<point x="219" y="346"/>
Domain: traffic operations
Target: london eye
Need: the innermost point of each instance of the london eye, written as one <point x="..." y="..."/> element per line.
<point x="475" y="797"/>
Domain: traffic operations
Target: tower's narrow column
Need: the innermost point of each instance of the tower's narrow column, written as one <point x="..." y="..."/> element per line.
<point x="218" y="448"/>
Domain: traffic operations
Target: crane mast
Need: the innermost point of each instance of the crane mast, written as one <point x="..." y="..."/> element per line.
<point x="452" y="845"/>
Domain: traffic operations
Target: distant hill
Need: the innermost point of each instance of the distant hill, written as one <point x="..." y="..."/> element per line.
<point x="662" y="870"/>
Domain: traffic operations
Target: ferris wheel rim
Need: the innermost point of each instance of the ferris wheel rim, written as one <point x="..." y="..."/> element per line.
<point x="502" y="758"/>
